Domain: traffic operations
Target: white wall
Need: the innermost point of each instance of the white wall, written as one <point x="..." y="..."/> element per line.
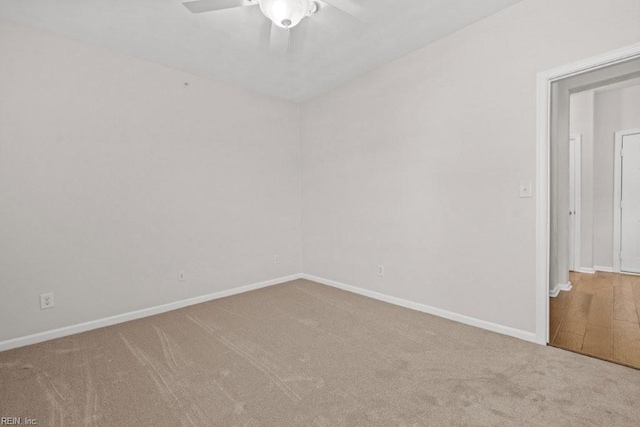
<point x="416" y="165"/>
<point x="581" y="123"/>
<point x="597" y="115"/>
<point x="614" y="110"/>
<point x="113" y="176"/>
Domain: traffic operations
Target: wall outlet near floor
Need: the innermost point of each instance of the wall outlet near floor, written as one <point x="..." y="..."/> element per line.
<point x="46" y="301"/>
<point x="380" y="270"/>
<point x="181" y="276"/>
<point x="276" y="259"/>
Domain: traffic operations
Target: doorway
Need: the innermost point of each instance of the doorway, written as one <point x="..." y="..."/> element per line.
<point x="599" y="315"/>
<point x="587" y="318"/>
<point x="626" y="203"/>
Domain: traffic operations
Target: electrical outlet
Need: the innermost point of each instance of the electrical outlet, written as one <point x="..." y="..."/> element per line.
<point x="276" y="259"/>
<point x="46" y="301"/>
<point x="380" y="270"/>
<point x="181" y="276"/>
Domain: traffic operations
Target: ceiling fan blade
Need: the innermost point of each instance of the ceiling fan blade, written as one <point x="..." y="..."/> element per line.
<point x="339" y="21"/>
<point x="279" y="39"/>
<point x="200" y="6"/>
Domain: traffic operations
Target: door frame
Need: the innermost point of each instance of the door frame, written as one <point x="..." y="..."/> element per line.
<point x="543" y="141"/>
<point x="617" y="197"/>
<point x="577" y="199"/>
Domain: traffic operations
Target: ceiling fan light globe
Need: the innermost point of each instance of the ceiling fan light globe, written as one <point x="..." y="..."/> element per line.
<point x="285" y="13"/>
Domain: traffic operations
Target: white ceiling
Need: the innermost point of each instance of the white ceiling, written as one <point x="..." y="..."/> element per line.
<point x="620" y="85"/>
<point x="226" y="45"/>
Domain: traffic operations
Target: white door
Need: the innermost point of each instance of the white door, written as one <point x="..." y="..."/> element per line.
<point x="574" y="202"/>
<point x="630" y="205"/>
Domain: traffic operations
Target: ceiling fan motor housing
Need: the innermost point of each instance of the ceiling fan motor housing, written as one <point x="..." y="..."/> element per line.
<point x="287" y="13"/>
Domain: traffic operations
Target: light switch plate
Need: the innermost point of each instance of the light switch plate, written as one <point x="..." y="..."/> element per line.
<point x="525" y="190"/>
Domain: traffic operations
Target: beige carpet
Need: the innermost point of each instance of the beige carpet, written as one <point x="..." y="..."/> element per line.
<point x="306" y="354"/>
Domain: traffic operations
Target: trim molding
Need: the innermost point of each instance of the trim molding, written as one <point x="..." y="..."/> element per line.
<point x="586" y="270"/>
<point x="560" y="287"/>
<point x="132" y="315"/>
<point x="543" y="128"/>
<point x="576" y="162"/>
<point x="461" y="318"/>
<point x="604" y="269"/>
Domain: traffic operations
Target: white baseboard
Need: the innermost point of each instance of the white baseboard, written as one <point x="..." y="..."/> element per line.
<point x="603" y="269"/>
<point x="586" y="270"/>
<point x="467" y="320"/>
<point x="125" y="317"/>
<point x="560" y="287"/>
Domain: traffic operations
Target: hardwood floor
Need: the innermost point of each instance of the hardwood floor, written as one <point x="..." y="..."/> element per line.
<point x="599" y="317"/>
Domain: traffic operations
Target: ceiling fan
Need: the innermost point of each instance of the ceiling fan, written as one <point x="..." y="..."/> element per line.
<point x="287" y="14"/>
